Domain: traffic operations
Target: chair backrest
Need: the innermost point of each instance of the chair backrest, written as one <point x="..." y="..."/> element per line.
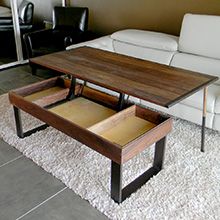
<point x="70" y="18"/>
<point x="25" y="12"/>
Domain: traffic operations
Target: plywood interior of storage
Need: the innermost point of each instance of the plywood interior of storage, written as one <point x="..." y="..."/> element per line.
<point x="83" y="112"/>
<point x="127" y="130"/>
<point x="43" y="93"/>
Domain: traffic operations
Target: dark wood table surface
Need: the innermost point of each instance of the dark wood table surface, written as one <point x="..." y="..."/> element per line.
<point x="153" y="82"/>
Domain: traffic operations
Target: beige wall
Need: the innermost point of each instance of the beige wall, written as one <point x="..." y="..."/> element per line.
<point x="107" y="16"/>
<point x="43" y="8"/>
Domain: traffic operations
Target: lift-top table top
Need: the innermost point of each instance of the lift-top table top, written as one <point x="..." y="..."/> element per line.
<point x="153" y="82"/>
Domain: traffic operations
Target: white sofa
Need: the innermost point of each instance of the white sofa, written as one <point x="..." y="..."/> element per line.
<point x="197" y="48"/>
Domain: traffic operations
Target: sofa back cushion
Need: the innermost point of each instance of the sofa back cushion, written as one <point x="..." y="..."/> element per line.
<point x="149" y="39"/>
<point x="145" y="53"/>
<point x="148" y="45"/>
<point x="200" y="35"/>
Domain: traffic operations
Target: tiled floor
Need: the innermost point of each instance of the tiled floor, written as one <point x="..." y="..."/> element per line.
<point x="27" y="192"/>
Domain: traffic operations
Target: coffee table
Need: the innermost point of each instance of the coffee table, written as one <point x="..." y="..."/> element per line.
<point x="107" y="124"/>
<point x="160" y="84"/>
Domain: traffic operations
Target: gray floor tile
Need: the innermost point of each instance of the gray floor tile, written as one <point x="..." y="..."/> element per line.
<point x="7" y="153"/>
<point x="66" y="205"/>
<point x="15" y="82"/>
<point x="16" y="77"/>
<point x="21" y="76"/>
<point x="23" y="186"/>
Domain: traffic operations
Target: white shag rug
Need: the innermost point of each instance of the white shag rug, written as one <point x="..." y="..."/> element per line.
<point x="187" y="188"/>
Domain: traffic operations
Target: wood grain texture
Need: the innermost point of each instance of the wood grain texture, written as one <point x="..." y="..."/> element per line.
<point x="135" y="143"/>
<point x="95" y="95"/>
<point x="97" y="143"/>
<point x="52" y="98"/>
<point x="160" y="84"/>
<point x="111" y="121"/>
<point x="127" y="130"/>
<point x="41" y="94"/>
<point x="36" y="87"/>
<point x="122" y="127"/>
<point x="136" y="146"/>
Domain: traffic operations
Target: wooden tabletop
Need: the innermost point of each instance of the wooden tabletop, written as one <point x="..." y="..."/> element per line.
<point x="153" y="82"/>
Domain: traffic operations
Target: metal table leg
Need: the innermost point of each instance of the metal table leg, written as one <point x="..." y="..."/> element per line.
<point x="19" y="129"/>
<point x="121" y="101"/>
<point x="71" y="94"/>
<point x="118" y="193"/>
<point x="18" y="122"/>
<point x="204" y="118"/>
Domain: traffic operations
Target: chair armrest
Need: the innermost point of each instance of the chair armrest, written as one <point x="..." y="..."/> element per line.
<point x="36" y="39"/>
<point x="78" y="37"/>
<point x="68" y="41"/>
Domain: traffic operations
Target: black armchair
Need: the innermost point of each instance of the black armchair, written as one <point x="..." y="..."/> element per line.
<point x="25" y="13"/>
<point x="70" y="25"/>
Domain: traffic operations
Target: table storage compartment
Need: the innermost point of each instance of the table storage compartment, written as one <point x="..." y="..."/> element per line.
<point x="92" y="117"/>
<point x="124" y="127"/>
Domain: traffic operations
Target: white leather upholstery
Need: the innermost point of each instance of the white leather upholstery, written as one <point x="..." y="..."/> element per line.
<point x="159" y="56"/>
<point x="147" y="39"/>
<point x="200" y="35"/>
<point x="217" y="103"/>
<point x="197" y="63"/>
<point x="104" y="43"/>
<point x="216" y="123"/>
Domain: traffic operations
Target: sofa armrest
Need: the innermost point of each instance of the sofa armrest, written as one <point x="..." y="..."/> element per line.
<point x="104" y="43"/>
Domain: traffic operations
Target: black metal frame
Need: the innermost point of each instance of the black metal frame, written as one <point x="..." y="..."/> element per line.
<point x="121" y="101"/>
<point x="203" y="134"/>
<point x="18" y="121"/>
<point x="71" y="94"/>
<point x="19" y="127"/>
<point x="119" y="194"/>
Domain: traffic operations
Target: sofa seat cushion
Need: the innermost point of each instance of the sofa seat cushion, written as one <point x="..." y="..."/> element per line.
<point x="147" y="39"/>
<point x="104" y="43"/>
<point x="200" y="35"/>
<point x="198" y="64"/>
<point x="159" y="56"/>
